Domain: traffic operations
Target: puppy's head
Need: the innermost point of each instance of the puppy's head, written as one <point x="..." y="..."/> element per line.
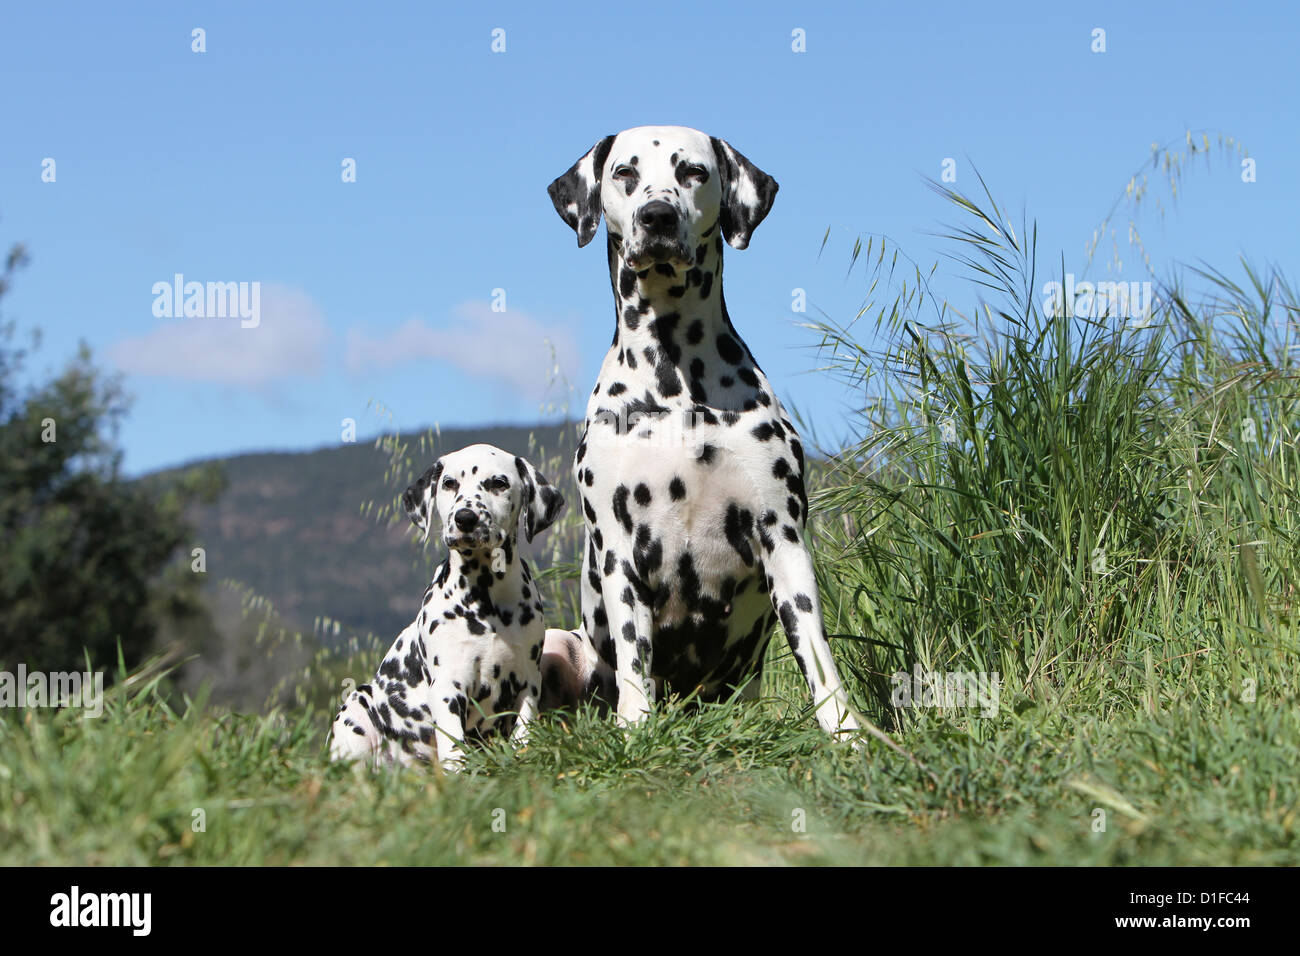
<point x="479" y="494"/>
<point x="663" y="190"/>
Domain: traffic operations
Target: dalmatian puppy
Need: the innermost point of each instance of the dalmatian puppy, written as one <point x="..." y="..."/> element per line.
<point x="470" y="661"/>
<point x="690" y="472"/>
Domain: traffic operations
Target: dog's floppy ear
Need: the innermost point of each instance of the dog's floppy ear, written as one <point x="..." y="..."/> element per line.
<point x="542" y="503"/>
<point x="747" y="194"/>
<point x="576" y="194"/>
<point x="418" y="498"/>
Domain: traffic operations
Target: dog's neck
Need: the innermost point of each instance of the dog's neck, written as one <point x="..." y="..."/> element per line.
<point x="653" y="303"/>
<point x="484" y="583"/>
<point x="672" y="328"/>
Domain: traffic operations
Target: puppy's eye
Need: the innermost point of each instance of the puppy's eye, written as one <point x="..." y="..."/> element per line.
<point x="450" y="484"/>
<point x="695" y="172"/>
<point x="497" y="484"/>
<point x="624" y="172"/>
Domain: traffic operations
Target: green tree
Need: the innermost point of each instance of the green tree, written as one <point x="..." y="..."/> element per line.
<point x="86" y="557"/>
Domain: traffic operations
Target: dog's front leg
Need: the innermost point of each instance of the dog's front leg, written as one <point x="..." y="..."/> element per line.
<point x="448" y="706"/>
<point x="355" y="734"/>
<point x="793" y="586"/>
<point x="630" y="624"/>
<point x="526" y="707"/>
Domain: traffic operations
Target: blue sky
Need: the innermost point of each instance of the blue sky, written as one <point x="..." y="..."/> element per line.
<point x="225" y="166"/>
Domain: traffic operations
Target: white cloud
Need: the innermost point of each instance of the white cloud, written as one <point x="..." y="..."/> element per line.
<point x="289" y="340"/>
<point x="511" y="347"/>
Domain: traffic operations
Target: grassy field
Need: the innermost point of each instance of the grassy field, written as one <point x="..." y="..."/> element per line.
<point x="725" y="785"/>
<point x="1102" y="513"/>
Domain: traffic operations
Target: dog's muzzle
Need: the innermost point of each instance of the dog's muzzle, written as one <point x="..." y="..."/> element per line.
<point x="467" y="530"/>
<point x="657" y="237"/>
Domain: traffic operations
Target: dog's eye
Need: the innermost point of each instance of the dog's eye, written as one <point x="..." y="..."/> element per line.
<point x="696" y="172"/>
<point x="624" y="172"/>
<point x="497" y="484"/>
<point x="450" y="484"/>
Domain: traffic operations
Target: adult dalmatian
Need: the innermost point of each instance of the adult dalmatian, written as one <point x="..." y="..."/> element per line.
<point x="690" y="473"/>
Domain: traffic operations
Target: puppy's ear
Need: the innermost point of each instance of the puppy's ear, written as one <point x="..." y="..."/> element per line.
<point x="576" y="194"/>
<point x="418" y="498"/>
<point x="747" y="194"/>
<point x="542" y="504"/>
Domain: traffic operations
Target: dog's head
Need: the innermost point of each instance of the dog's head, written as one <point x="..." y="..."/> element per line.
<point x="479" y="494"/>
<point x="663" y="189"/>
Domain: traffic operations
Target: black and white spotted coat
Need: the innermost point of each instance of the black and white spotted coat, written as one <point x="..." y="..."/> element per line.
<point x="690" y="472"/>
<point x="469" y="665"/>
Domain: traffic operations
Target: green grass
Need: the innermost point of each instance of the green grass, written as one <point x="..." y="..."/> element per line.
<point x="1106" y="517"/>
<point x="723" y="785"/>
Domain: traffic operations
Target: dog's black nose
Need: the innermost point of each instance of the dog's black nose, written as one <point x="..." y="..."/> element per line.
<point x="466" y="519"/>
<point x="658" y="218"/>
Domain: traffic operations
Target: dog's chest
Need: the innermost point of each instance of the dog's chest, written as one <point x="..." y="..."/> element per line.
<point x="689" y="491"/>
<point x="700" y="476"/>
<point x="690" y="495"/>
<point x="482" y="651"/>
<point x="482" y="673"/>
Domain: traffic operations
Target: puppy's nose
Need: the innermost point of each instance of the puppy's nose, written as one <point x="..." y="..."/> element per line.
<point x="466" y="519"/>
<point x="658" y="218"/>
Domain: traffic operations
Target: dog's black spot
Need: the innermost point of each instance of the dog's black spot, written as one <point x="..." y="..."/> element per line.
<point x="738" y="526"/>
<point x="621" y="513"/>
<point x="648" y="552"/>
<point x="626" y="282"/>
<point x="704" y="414"/>
<point x="729" y="350"/>
<point x="790" y="624"/>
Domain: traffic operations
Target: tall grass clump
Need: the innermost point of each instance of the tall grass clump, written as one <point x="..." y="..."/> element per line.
<point x="1100" y="509"/>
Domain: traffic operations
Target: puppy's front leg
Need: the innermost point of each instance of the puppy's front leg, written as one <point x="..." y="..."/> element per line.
<point x="526" y="706"/>
<point x="448" y="706"/>
<point x="355" y="734"/>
